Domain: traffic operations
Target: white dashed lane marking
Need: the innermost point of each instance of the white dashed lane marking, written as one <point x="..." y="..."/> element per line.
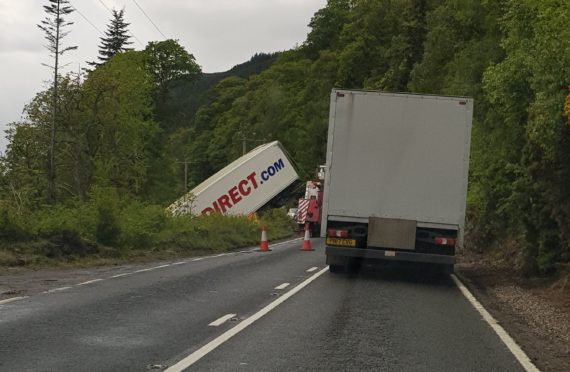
<point x="204" y="350"/>
<point x="221" y="320"/>
<point x="282" y="286"/>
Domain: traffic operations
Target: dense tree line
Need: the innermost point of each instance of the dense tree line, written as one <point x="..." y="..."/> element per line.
<point x="512" y="56"/>
<point x="128" y="122"/>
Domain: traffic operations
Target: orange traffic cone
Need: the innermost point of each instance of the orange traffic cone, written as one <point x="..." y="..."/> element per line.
<point x="307" y="240"/>
<point x="264" y="244"/>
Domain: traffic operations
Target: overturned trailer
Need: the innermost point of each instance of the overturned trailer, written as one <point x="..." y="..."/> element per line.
<point x="243" y="186"/>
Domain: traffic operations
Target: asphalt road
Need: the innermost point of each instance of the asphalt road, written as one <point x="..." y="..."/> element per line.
<point x="377" y="320"/>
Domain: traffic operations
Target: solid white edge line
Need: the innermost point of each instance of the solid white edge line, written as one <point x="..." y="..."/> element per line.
<point x="120" y="275"/>
<point x="282" y="286"/>
<point x="222" y="320"/>
<point x="179" y="263"/>
<point x="513" y="347"/>
<point x="285" y="242"/>
<point x="243" y="251"/>
<point x="57" y="289"/>
<point x="144" y="270"/>
<point x="204" y="350"/>
<point x="8" y="300"/>
<point x="312" y="269"/>
<point x="90" y="281"/>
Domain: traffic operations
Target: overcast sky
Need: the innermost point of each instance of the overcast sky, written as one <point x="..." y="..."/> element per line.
<point x="219" y="33"/>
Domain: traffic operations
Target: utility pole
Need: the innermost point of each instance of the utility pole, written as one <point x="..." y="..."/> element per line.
<point x="244" y="143"/>
<point x="185" y="162"/>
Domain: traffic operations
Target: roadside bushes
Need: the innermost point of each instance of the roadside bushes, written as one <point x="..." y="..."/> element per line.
<point x="11" y="228"/>
<point x="109" y="227"/>
<point x="277" y="222"/>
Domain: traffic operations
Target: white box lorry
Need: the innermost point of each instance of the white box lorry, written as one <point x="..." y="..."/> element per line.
<point x="241" y="187"/>
<point x="396" y="177"/>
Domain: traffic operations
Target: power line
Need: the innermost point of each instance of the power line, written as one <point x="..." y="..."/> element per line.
<point x="146" y="15"/>
<point x="88" y="21"/>
<point x="133" y="35"/>
<point x="105" y="5"/>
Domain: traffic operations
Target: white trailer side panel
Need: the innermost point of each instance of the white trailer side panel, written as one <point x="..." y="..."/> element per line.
<point x="397" y="156"/>
<point x="243" y="186"/>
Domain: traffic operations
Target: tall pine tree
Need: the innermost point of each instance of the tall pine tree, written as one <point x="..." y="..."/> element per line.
<point x="53" y="27"/>
<point x="117" y="38"/>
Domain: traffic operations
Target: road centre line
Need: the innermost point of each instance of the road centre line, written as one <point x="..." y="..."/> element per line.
<point x="515" y="349"/>
<point x="221" y="320"/>
<point x="204" y="350"/>
<point x="312" y="269"/>
<point x="282" y="286"/>
<point x="8" y="300"/>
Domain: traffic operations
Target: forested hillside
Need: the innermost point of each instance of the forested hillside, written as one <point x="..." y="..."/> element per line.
<point x="122" y="129"/>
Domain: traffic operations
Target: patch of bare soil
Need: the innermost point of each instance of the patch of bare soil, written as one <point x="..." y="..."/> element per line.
<point x="534" y="311"/>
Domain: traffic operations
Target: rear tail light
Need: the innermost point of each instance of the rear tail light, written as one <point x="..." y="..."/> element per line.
<point x="337" y="233"/>
<point x="444" y="241"/>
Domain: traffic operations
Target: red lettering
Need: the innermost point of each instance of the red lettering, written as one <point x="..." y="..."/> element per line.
<point x="216" y="207"/>
<point x="234" y="195"/>
<point x="208" y="210"/>
<point x="242" y="189"/>
<point x="224" y="202"/>
<point x="251" y="177"/>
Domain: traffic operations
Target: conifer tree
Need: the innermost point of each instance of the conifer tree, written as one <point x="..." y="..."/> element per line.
<point x="53" y="27"/>
<point x="116" y="39"/>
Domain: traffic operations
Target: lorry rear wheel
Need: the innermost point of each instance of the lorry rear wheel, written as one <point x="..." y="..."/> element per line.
<point x="337" y="269"/>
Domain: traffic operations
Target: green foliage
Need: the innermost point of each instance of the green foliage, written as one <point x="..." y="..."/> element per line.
<point x="135" y="120"/>
<point x="107" y="230"/>
<point x="277" y="223"/>
<point x="111" y="226"/>
<point x="168" y="61"/>
<point x="117" y="109"/>
<point x="326" y="25"/>
<point x="11" y="227"/>
<point x="209" y="233"/>
<point x="141" y="224"/>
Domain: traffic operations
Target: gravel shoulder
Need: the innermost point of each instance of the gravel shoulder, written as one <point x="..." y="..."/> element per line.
<point x="535" y="311"/>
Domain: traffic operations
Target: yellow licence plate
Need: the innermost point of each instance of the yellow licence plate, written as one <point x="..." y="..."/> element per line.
<point x="341" y="242"/>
